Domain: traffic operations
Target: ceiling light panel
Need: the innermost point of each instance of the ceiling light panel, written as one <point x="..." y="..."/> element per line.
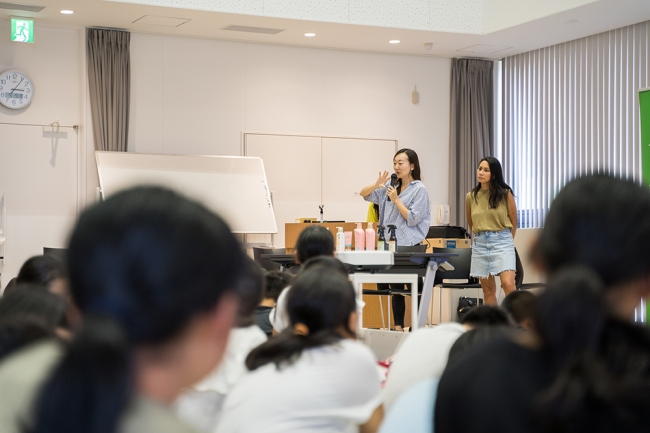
<point x="21" y="7"/>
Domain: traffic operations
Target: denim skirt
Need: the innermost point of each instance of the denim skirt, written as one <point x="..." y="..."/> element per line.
<point x="492" y="253"/>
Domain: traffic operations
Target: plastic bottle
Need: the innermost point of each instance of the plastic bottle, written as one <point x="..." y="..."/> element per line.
<point x="392" y="242"/>
<point x="340" y="239"/>
<point x="381" y="243"/>
<point x="370" y="238"/>
<point x="348" y="241"/>
<point x="359" y="238"/>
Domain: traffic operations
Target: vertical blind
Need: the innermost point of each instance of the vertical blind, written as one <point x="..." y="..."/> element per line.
<point x="572" y="109"/>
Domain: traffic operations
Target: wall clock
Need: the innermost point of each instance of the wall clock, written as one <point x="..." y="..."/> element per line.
<point x="16" y="90"/>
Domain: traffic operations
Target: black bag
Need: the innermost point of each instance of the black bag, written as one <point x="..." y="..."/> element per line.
<point x="465" y="304"/>
<point x="447" y="232"/>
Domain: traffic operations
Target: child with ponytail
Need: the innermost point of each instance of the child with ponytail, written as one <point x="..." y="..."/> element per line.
<point x="313" y="376"/>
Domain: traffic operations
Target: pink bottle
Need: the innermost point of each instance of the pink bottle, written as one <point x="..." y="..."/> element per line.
<point x="370" y="238"/>
<point x="359" y="237"/>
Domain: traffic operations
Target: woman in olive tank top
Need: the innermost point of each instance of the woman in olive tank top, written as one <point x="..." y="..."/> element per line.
<point x="492" y="218"/>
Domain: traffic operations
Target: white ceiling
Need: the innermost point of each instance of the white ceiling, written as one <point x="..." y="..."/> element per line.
<point x="593" y="17"/>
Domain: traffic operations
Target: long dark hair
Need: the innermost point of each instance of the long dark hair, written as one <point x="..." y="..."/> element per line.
<point x="498" y="187"/>
<point x="413" y="159"/>
<point x="596" y="238"/>
<point x="321" y="299"/>
<point x="142" y="265"/>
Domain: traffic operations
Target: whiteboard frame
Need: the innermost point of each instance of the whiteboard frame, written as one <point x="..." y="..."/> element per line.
<point x="267" y="223"/>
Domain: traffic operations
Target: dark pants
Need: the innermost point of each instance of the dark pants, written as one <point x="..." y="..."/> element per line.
<point x="399" y="304"/>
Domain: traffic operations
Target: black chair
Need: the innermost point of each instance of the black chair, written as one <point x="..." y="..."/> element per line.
<point x="458" y="278"/>
<point x="519" y="276"/>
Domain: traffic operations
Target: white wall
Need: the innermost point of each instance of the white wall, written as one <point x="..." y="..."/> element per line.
<point x="196" y="96"/>
<point x="40" y="173"/>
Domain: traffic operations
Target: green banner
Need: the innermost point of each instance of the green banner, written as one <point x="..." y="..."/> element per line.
<point x="644" y="113"/>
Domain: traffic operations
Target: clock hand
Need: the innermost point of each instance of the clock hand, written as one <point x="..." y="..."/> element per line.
<point x="21" y="80"/>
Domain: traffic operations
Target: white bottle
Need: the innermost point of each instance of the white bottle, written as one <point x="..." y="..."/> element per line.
<point x="370" y="238"/>
<point x="340" y="239"/>
<point x="359" y="238"/>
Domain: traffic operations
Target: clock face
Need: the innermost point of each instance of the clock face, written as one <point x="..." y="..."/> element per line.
<point x="16" y="90"/>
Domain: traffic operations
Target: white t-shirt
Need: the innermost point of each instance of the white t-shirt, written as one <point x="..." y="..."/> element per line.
<point x="201" y="406"/>
<point x="327" y="389"/>
<point x="422" y="356"/>
<point x="279" y="316"/>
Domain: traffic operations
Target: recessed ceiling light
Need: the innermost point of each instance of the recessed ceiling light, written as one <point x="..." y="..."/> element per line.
<point x="67" y="12"/>
<point x="394" y="41"/>
<point x="570" y="22"/>
<point x="310" y="35"/>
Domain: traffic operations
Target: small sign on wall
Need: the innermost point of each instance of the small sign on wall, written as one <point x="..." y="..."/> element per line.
<point x="22" y="30"/>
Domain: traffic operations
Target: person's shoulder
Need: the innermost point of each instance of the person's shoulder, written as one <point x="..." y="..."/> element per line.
<point x="422" y="336"/>
<point x="31" y="362"/>
<point x="352" y="353"/>
<point x="250" y="334"/>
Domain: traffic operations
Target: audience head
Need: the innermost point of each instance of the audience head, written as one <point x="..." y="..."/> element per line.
<point x="29" y="314"/>
<point x="485" y="315"/>
<point x="326" y="262"/>
<point x="520" y="305"/>
<point x="314" y="241"/>
<point x="251" y="291"/>
<point x="10" y="285"/>
<point x="47" y="271"/>
<point x="601" y="223"/>
<point x="322" y="310"/>
<point x="477" y="337"/>
<point x="594" y="248"/>
<point x="276" y="281"/>
<point x="34" y="303"/>
<point x="154" y="275"/>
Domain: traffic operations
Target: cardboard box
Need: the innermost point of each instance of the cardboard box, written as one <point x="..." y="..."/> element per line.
<point x="448" y="243"/>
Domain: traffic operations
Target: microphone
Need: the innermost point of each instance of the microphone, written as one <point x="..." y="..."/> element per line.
<point x="393" y="181"/>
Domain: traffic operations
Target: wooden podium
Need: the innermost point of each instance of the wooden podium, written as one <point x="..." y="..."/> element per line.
<point x="292" y="230"/>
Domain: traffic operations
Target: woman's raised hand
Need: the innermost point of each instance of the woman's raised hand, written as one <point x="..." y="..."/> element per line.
<point x="382" y="179"/>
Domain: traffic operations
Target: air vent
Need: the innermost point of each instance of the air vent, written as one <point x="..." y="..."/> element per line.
<point x="19" y="7"/>
<point x="153" y="20"/>
<point x="484" y="49"/>
<point x="264" y="30"/>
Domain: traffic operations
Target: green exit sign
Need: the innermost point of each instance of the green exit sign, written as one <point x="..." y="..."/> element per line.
<point x="22" y="30"/>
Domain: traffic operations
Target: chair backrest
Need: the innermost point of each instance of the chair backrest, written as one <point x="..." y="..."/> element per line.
<point x="519" y="271"/>
<point x="461" y="265"/>
<point x="266" y="263"/>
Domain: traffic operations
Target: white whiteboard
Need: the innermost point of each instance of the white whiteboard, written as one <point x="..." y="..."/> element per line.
<point x="233" y="186"/>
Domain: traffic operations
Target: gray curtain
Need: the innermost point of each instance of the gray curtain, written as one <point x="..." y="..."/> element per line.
<point x="109" y="80"/>
<point x="471" y="135"/>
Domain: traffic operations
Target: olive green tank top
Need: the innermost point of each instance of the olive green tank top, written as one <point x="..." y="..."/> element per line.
<point x="485" y="218"/>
